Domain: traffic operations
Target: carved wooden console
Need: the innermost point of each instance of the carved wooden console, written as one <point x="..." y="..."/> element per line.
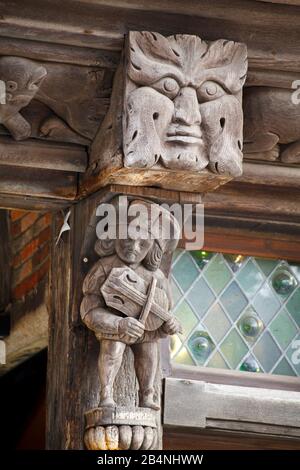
<point x="175" y="116"/>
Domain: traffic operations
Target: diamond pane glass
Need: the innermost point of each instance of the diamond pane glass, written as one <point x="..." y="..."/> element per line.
<point x="217" y="322"/>
<point x="200" y="297"/>
<point x="234" y="348"/>
<point x="185" y="271"/>
<point x="293" y="306"/>
<point x="218" y="274"/>
<point x="266" y="351"/>
<point x="187" y="318"/>
<point x="250" y="278"/>
<point x="237" y="312"/>
<point x="233" y="300"/>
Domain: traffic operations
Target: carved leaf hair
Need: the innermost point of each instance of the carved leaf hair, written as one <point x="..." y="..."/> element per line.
<point x="186" y="58"/>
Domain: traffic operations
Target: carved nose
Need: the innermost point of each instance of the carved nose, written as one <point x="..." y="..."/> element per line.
<point x="187" y="107"/>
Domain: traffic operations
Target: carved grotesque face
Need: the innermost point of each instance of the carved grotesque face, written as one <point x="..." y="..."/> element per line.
<point x="183" y="103"/>
<point x="133" y="251"/>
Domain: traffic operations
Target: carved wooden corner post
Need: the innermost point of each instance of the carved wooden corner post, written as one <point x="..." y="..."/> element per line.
<point x="120" y="289"/>
<point x="126" y="302"/>
<point x="175" y="122"/>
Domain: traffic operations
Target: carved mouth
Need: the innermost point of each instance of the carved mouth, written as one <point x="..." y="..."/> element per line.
<point x="183" y="136"/>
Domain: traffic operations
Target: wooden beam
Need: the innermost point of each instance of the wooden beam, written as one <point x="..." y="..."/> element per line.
<point x="92" y="24"/>
<point x="270" y="174"/>
<point x="23" y="202"/>
<point x="42" y="155"/>
<point x="192" y="439"/>
<point x="64" y="54"/>
<point x="37" y="183"/>
<point x="257" y="241"/>
<point x="180" y="180"/>
<point x="234" y="377"/>
<point x="256" y="201"/>
<point x="5" y="273"/>
<point x="231" y="407"/>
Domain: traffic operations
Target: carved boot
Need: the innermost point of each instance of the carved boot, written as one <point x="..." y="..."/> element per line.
<point x="147" y="399"/>
<point x="106" y="398"/>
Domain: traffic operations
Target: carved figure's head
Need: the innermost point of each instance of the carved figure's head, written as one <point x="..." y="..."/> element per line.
<point x="151" y="232"/>
<point x="183" y="103"/>
<point x="22" y="78"/>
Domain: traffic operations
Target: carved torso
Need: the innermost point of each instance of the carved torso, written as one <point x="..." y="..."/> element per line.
<point x="94" y="299"/>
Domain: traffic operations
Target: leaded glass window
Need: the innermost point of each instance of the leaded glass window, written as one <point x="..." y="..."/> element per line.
<point x="237" y="312"/>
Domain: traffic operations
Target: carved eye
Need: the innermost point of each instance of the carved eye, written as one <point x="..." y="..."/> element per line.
<point x="11" y="86"/>
<point x="167" y="86"/>
<point x="209" y="91"/>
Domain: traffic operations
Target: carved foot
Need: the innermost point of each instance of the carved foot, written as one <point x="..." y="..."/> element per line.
<point x="269" y="155"/>
<point x="120" y="428"/>
<point x="57" y="129"/>
<point x="123" y="437"/>
<point x="291" y="154"/>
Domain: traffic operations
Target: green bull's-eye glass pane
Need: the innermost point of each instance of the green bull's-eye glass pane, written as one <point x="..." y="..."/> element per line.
<point x="283" y="282"/>
<point x="202" y="258"/>
<point x="201" y="346"/>
<point x="237" y="312"/>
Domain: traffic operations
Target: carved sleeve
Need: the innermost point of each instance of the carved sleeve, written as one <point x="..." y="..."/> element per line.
<point x="93" y="310"/>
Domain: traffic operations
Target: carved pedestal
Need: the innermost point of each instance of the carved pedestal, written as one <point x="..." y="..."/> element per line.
<point x="120" y="428"/>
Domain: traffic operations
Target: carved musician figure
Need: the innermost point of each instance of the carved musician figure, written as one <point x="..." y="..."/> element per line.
<point x="127" y="302"/>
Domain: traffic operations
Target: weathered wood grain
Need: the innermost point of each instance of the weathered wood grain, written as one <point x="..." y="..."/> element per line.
<point x="179" y="180"/>
<point x="65" y="54"/>
<point x="274" y="27"/>
<point x="42" y="155"/>
<point x="185" y="439"/>
<point x="33" y="182"/>
<point x="238" y="378"/>
<point x="231" y="407"/>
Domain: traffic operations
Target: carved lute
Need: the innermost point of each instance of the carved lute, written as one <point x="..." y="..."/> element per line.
<point x="127" y="292"/>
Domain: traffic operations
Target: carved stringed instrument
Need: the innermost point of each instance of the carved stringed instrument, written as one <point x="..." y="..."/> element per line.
<point x="129" y="293"/>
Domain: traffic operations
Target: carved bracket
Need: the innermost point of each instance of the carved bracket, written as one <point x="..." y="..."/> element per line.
<point x="176" y="105"/>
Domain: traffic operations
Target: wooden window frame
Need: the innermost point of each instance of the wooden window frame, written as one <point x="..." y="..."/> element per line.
<point x="235" y="391"/>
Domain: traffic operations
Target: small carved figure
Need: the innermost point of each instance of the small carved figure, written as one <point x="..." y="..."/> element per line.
<point x="22" y="78"/>
<point x="183" y="103"/>
<point x="126" y="303"/>
<point x="271" y="120"/>
<point x="69" y="94"/>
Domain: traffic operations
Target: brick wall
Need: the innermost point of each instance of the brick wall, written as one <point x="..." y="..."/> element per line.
<point x="30" y="246"/>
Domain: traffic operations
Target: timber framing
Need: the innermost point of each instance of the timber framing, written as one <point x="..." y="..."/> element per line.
<point x="159" y="101"/>
<point x="88" y="37"/>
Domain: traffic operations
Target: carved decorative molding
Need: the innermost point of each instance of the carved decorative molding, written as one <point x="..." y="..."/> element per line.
<point x="176" y="105"/>
<point x="126" y="302"/>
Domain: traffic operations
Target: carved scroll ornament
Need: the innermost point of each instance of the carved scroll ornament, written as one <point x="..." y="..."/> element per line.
<point x="127" y="303"/>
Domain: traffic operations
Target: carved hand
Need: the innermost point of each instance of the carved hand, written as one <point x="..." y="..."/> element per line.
<point x="172" y="326"/>
<point x="131" y="327"/>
